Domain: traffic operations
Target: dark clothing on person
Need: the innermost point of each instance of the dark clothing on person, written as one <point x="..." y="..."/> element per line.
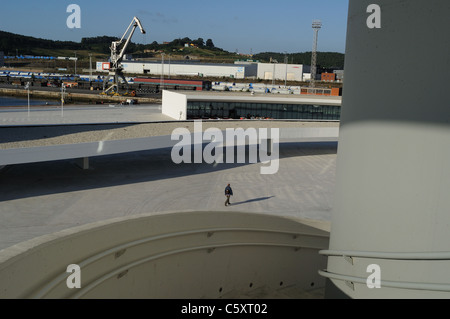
<point x="228" y="190"/>
<point x="228" y="193"/>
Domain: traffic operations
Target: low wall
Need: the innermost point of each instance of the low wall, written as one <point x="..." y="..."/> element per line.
<point x="70" y="96"/>
<point x="174" y="105"/>
<point x="36" y="153"/>
<point x="173" y="255"/>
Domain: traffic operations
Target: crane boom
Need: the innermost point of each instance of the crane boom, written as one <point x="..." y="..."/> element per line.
<point x="117" y="57"/>
<point x="129" y="38"/>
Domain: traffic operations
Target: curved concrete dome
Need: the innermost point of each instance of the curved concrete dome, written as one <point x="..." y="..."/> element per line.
<point x="173" y="255"/>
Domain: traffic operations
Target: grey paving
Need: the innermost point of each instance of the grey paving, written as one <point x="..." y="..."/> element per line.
<point x="81" y="114"/>
<point x="37" y="199"/>
<point x="41" y="198"/>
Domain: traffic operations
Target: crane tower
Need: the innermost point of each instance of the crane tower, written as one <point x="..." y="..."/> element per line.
<point x="116" y="68"/>
<point x="316" y="25"/>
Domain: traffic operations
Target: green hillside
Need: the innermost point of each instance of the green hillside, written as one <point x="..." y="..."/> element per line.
<point x="181" y="48"/>
<point x="326" y="60"/>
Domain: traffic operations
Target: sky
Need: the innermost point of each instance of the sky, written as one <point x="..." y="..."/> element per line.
<point x="236" y="26"/>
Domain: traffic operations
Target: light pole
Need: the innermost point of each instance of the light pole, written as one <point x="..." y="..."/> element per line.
<point x="90" y="67"/>
<point x="162" y="71"/>
<point x="285" y="62"/>
<point x="76" y="63"/>
<point x="169" y="65"/>
<point x="27" y="87"/>
<point x="317" y="24"/>
<point x="63" y="89"/>
<point x="273" y="76"/>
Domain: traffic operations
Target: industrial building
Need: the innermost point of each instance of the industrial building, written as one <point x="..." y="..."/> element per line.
<point x="328" y="77"/>
<point x="339" y="75"/>
<point x="280" y="71"/>
<point x="192" y="106"/>
<point x="238" y="70"/>
<point x="181" y="68"/>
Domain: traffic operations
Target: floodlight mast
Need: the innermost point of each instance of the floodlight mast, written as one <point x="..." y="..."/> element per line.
<point x="316" y="25"/>
<point x="116" y="58"/>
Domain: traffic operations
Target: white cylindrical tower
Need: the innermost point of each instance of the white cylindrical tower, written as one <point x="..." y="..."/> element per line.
<point x="391" y="216"/>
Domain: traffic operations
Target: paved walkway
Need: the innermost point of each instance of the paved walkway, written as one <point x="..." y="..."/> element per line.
<point x="41" y="198"/>
<point x="54" y="115"/>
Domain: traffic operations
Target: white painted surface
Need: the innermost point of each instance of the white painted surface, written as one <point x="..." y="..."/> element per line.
<point x="157" y="68"/>
<point x="174" y="105"/>
<point x="173" y="255"/>
<point x="266" y="71"/>
<point x="393" y="169"/>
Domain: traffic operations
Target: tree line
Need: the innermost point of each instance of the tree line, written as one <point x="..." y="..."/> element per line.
<point x="11" y="43"/>
<point x="325" y="60"/>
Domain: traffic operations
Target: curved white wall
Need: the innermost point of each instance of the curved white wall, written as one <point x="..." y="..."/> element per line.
<point x="393" y="165"/>
<point x="173" y="255"/>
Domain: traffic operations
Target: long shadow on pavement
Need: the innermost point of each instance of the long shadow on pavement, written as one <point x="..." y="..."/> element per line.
<point x="57" y="177"/>
<point x="252" y="200"/>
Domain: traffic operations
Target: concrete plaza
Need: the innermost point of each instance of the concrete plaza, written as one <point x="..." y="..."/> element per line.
<point x="41" y="198"/>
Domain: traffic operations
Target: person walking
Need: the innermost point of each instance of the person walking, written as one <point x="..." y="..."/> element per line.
<point x="228" y="193"/>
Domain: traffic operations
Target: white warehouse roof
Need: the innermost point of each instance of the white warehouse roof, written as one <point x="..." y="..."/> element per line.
<point x="265" y="71"/>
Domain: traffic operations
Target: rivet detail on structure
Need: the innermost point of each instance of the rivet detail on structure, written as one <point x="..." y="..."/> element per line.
<point x="349" y="259"/>
<point x="119" y="253"/>
<point x="123" y="273"/>
<point x="350" y="284"/>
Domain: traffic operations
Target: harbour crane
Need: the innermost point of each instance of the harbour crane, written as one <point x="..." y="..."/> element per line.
<point x="116" y="69"/>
